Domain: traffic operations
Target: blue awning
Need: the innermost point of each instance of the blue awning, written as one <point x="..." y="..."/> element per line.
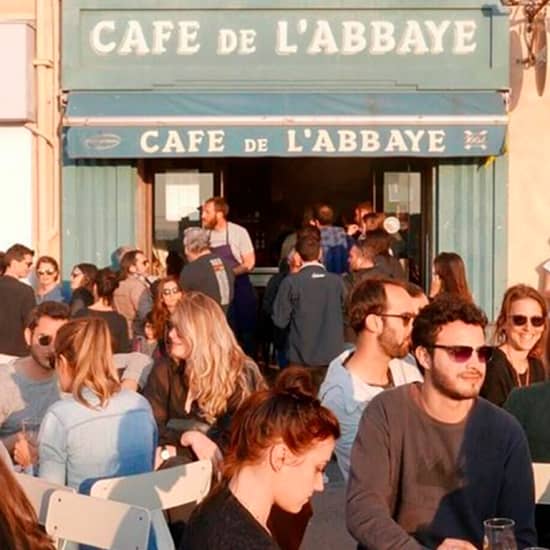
<point x="169" y="124"/>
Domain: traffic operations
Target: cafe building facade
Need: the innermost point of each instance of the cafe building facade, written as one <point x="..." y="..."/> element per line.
<point x="277" y="105"/>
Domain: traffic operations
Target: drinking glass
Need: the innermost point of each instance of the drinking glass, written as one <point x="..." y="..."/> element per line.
<point x="499" y="534"/>
<point x="30" y="428"/>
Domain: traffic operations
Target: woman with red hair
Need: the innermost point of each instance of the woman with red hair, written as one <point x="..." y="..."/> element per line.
<point x="19" y="529"/>
<point x="281" y="442"/>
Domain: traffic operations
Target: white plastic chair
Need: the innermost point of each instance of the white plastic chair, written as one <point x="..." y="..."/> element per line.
<point x="101" y="523"/>
<point x="38" y="492"/>
<point x="158" y="491"/>
<point x="541" y="472"/>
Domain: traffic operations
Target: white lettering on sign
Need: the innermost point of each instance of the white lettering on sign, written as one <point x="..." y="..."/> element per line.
<point x="319" y="37"/>
<point x="320" y="140"/>
<point x="100" y="47"/>
<point x="190" y="141"/>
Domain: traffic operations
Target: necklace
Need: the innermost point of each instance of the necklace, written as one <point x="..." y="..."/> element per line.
<point x="526" y="376"/>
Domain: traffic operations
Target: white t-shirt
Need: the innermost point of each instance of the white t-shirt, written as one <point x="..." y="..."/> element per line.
<point x="346" y="395"/>
<point x="236" y="236"/>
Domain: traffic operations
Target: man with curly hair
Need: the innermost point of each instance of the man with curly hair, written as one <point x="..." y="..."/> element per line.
<point x="433" y="460"/>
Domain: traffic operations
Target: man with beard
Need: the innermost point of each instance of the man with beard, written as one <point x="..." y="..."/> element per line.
<point x="433" y="460"/>
<point x="380" y="312"/>
<point x="28" y="385"/>
<point x="232" y="243"/>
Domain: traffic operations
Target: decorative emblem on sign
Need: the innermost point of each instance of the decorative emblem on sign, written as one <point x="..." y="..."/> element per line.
<point x="102" y="142"/>
<point x="475" y="140"/>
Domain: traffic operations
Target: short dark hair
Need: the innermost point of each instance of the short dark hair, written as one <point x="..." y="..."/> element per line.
<point x="47" y="260"/>
<point x="379" y="240"/>
<point x="127" y="261"/>
<point x="17" y="252"/>
<point x="444" y="309"/>
<point x="308" y="243"/>
<point x="368" y="297"/>
<point x="365" y="249"/>
<point x="54" y="310"/>
<point x="89" y="272"/>
<point x="220" y="205"/>
<point x="414" y="290"/>
<point x="106" y="282"/>
<point x="324" y="214"/>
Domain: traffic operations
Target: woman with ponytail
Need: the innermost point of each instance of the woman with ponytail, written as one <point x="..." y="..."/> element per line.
<point x="99" y="430"/>
<point x="281" y="441"/>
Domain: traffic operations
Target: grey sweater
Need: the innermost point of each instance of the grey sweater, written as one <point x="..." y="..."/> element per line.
<point x="415" y="481"/>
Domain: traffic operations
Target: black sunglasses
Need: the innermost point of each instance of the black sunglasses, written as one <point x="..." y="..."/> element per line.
<point x="45" y="339"/>
<point x="461" y="354"/>
<point x="521" y="320"/>
<point x="405" y="317"/>
<point x="46" y="272"/>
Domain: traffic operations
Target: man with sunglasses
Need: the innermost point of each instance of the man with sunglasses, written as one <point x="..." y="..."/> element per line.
<point x="28" y="385"/>
<point x="433" y="460"/>
<point x="380" y="312"/>
<point x="17" y="299"/>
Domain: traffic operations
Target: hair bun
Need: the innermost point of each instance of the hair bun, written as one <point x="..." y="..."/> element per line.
<point x="295" y="381"/>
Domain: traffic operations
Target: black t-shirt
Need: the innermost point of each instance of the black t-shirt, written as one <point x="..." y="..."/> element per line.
<point x="222" y="523"/>
<point x="117" y="326"/>
<point x="210" y="275"/>
<point x="17" y="301"/>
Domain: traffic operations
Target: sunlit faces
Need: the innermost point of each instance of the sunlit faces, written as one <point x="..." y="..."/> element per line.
<point x="395" y="336"/>
<point x="22" y="268"/>
<point x="452" y="378"/>
<point x="298" y="477"/>
<point x="76" y="278"/>
<point x="46" y="273"/>
<point x="171" y="295"/>
<point x="209" y="216"/>
<point x="45" y="331"/>
<point x="523" y="337"/>
<point x="180" y="348"/>
<point x="435" y="286"/>
<point x="141" y="266"/>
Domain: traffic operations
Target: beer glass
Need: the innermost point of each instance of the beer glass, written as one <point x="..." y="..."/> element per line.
<point x="499" y="534"/>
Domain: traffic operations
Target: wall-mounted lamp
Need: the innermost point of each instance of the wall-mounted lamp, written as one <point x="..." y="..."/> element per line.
<point x="533" y="10"/>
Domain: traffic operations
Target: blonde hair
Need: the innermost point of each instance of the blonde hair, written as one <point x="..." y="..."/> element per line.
<point x="86" y="346"/>
<point x="216" y="368"/>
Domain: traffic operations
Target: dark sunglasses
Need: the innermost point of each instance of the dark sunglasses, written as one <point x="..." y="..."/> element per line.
<point x="461" y="354"/>
<point x="521" y="320"/>
<point x="46" y="272"/>
<point x="405" y="317"/>
<point x="45" y="339"/>
<point x="168" y="291"/>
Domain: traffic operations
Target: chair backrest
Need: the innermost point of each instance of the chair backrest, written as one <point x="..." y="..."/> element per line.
<point x="38" y="491"/>
<point x="161" y="489"/>
<point x="97" y="522"/>
<point x="541" y="473"/>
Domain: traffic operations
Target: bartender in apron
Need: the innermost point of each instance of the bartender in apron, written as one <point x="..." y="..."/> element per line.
<point x="232" y="243"/>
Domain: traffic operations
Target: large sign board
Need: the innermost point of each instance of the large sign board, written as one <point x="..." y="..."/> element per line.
<point x="261" y="45"/>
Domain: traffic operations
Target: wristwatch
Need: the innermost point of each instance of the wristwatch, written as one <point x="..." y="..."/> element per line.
<point x="165" y="453"/>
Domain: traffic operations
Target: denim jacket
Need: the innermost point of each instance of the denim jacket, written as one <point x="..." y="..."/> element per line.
<point x="79" y="444"/>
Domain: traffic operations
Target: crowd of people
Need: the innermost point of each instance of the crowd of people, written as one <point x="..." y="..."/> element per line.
<point x="433" y="417"/>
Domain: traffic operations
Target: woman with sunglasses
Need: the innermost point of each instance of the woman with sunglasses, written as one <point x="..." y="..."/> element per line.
<point x="520" y="336"/>
<point x="168" y="295"/>
<point x="48" y="288"/>
<point x="99" y="429"/>
<point x="449" y="276"/>
<point x="82" y="285"/>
